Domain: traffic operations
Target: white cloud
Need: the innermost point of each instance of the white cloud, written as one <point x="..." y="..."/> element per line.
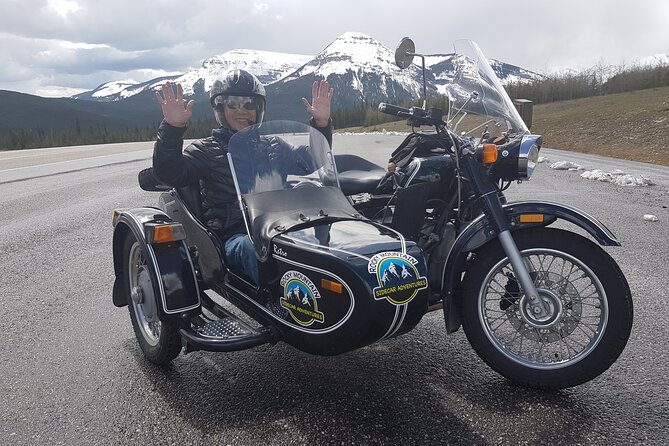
<point x="260" y="8"/>
<point x="148" y="74"/>
<point x="64" y="7"/>
<point x="81" y="45"/>
<point x="86" y="41"/>
<point x="51" y="91"/>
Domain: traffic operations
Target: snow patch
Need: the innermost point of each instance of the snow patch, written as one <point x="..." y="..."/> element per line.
<point x="543" y="159"/>
<point x="565" y="165"/>
<point x="618" y="177"/>
<point x="113" y="87"/>
<point x="382" y="132"/>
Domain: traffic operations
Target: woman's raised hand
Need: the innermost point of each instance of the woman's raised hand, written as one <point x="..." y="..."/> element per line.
<point x="319" y="108"/>
<point x="174" y="111"/>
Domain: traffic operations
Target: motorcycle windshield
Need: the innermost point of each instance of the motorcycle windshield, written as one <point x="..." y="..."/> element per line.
<point x="478" y="101"/>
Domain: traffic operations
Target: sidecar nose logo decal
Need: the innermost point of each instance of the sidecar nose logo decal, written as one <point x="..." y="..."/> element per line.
<point x="398" y="278"/>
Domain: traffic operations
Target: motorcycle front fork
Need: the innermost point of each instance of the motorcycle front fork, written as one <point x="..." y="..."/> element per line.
<point x="538" y="306"/>
<point x="492" y="208"/>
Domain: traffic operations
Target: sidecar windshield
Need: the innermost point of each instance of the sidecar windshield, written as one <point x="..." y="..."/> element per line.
<point x="478" y="101"/>
<point x="285" y="177"/>
<point x="280" y="155"/>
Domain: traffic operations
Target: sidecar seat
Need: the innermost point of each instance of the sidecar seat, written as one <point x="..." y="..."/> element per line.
<point x="357" y="175"/>
<point x="209" y="246"/>
<point x="190" y="195"/>
<point x="183" y="205"/>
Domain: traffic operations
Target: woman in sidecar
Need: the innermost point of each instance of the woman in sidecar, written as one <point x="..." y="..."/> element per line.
<point x="238" y="102"/>
<point x="286" y="246"/>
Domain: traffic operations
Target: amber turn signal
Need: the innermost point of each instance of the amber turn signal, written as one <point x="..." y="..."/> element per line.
<point x="489" y="153"/>
<point x="165" y="233"/>
<point x="532" y="218"/>
<point x="335" y="287"/>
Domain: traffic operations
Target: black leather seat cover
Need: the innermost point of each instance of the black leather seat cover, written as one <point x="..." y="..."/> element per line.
<point x="189" y="194"/>
<point x="148" y="181"/>
<point x="357" y="175"/>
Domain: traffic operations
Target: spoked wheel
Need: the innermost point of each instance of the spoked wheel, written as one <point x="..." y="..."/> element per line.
<point x="588" y="306"/>
<point x="159" y="339"/>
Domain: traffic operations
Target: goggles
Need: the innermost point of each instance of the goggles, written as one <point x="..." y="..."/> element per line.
<point x="237" y="102"/>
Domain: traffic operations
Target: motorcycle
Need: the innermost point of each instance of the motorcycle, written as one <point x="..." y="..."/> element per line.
<point x="350" y="253"/>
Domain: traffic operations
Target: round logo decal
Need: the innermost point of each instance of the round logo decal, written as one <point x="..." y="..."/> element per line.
<point x="300" y="298"/>
<point x="397" y="275"/>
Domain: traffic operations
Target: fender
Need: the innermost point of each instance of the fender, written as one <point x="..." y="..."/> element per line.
<point x="480" y="231"/>
<point x="177" y="289"/>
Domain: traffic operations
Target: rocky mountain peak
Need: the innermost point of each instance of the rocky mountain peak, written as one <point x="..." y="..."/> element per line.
<point x="359" y="67"/>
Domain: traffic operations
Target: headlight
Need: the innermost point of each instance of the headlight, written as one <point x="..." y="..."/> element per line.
<point x="528" y="155"/>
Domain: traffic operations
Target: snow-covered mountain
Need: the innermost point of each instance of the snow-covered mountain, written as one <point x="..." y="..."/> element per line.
<point x="268" y="66"/>
<point x="655" y="60"/>
<point x="444" y="67"/>
<point x="106" y="91"/>
<point x="360" y="69"/>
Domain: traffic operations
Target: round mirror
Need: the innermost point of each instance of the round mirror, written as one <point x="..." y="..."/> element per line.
<point x="405" y="52"/>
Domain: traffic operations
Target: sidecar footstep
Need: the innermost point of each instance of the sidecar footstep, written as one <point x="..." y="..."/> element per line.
<point x="224" y="328"/>
<point x="225" y="335"/>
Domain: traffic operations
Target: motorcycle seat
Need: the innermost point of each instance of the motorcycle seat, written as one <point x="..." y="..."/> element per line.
<point x="357" y="175"/>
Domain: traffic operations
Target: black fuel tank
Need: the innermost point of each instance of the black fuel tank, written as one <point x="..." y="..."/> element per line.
<point x="438" y="171"/>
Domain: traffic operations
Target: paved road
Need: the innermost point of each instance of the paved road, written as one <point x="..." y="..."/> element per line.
<point x="71" y="371"/>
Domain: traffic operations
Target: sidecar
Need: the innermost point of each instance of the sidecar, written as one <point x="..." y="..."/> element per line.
<point x="330" y="280"/>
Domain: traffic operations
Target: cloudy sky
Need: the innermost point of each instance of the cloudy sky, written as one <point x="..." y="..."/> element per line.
<point x="60" y="47"/>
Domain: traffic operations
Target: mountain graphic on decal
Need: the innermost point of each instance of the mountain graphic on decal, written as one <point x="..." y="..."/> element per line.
<point x="394" y="274"/>
<point x="298" y="296"/>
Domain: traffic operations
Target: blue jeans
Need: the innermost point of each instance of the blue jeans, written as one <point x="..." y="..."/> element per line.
<point x="240" y="255"/>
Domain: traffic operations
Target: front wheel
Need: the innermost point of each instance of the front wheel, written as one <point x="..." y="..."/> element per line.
<point x="588" y="303"/>
<point x="159" y="339"/>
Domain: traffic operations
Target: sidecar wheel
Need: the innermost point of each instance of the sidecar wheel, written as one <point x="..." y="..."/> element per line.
<point x="159" y="339"/>
<point x="589" y="310"/>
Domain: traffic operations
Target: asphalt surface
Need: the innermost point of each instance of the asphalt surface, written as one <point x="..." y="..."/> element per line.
<point x="71" y="371"/>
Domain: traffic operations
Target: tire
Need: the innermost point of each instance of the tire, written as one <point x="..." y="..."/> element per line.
<point x="159" y="339"/>
<point x="589" y="305"/>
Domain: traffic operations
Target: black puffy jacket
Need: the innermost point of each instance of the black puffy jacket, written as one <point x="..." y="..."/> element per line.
<point x="205" y="162"/>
